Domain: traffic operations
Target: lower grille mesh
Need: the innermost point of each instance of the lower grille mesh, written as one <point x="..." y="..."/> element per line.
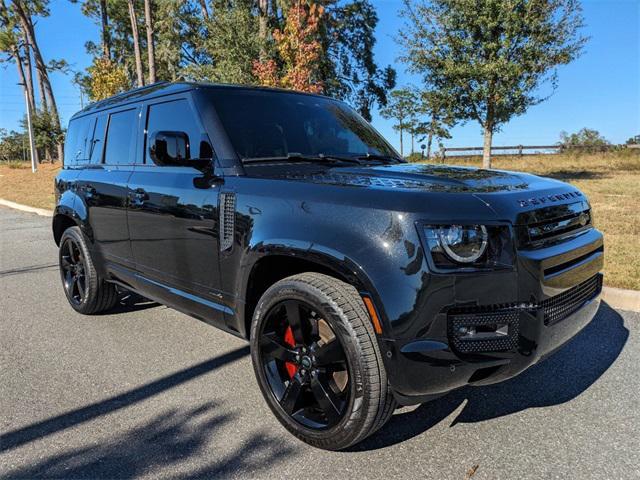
<point x="495" y="344"/>
<point x="559" y="307"/>
<point x="555" y="309"/>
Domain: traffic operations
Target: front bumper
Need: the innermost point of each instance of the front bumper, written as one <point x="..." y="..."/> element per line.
<point x="516" y="319"/>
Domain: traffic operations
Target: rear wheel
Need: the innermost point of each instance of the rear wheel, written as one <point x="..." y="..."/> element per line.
<point x="85" y="291"/>
<point x="317" y="361"/>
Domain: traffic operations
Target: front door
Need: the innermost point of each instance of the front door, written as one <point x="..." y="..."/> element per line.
<point x="173" y="224"/>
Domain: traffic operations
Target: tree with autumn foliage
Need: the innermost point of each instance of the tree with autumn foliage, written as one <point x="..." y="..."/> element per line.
<point x="106" y="78"/>
<point x="298" y="49"/>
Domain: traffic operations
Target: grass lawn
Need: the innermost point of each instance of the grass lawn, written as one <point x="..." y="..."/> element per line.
<point x="611" y="181"/>
<point x="19" y="185"/>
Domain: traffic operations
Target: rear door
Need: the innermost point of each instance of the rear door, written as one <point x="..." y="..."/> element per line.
<point x="173" y="224"/>
<point x="103" y="185"/>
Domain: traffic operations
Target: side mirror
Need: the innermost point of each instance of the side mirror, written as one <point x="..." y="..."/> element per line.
<point x="169" y="148"/>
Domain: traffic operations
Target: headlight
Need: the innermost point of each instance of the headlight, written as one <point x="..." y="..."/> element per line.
<point x="464" y="243"/>
<point x="467" y="248"/>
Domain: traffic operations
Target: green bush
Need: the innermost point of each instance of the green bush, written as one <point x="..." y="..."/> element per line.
<point x="12" y="144"/>
<point x="586" y="140"/>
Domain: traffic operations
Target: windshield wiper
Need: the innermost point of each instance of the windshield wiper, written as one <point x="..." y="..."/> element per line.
<point x="384" y="158"/>
<point x="299" y="157"/>
<point x="292" y="157"/>
<point x="337" y="158"/>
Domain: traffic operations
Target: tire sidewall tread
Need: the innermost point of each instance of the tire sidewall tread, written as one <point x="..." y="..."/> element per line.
<point x="101" y="295"/>
<point x="342" y="307"/>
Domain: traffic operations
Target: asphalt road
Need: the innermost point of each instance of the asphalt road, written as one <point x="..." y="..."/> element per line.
<point x="147" y="391"/>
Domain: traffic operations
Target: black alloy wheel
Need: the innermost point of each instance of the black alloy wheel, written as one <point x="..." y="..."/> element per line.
<point x="305" y="364"/>
<point x="86" y="291"/>
<point x="73" y="267"/>
<point x="317" y="361"/>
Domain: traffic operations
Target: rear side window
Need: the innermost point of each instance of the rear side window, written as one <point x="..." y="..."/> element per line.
<point x="176" y="115"/>
<point x="78" y="143"/>
<point x="119" y="148"/>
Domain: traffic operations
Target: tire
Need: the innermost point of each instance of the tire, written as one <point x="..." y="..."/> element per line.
<point x="366" y="403"/>
<point x="86" y="292"/>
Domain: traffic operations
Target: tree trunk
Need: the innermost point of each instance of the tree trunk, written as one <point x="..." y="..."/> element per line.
<point x="263" y="6"/>
<point x="41" y="90"/>
<point x="28" y="73"/>
<point x="412" y="143"/>
<point x="27" y="27"/>
<point x="136" y="43"/>
<point x="106" y="35"/>
<point x="22" y="76"/>
<point x="148" y="20"/>
<point x="486" y="151"/>
<point x="31" y="93"/>
<point x="429" y="141"/>
<point x="23" y="83"/>
<point x="401" y="146"/>
<point x="204" y="10"/>
<point x="44" y="106"/>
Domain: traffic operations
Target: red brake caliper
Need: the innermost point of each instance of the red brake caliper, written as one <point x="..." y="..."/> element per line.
<point x="288" y="340"/>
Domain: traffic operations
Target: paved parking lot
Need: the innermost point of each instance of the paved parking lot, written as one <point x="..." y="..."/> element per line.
<point x="147" y="391"/>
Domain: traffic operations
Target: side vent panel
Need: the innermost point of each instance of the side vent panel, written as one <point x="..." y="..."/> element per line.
<point x="227" y="219"/>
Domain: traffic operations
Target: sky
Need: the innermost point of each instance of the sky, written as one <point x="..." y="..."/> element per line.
<point x="600" y="90"/>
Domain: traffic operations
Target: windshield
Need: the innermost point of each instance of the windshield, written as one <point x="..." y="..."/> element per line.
<point x="263" y="124"/>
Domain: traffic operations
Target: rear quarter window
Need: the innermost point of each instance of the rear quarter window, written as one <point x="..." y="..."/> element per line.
<point x="78" y="142"/>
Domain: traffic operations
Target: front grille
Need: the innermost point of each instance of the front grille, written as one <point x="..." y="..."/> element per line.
<point x="539" y="226"/>
<point x="559" y="307"/>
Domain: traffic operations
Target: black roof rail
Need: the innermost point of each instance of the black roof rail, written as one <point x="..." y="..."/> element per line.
<point x="164" y="87"/>
<point x="115" y="98"/>
<point x="141" y="89"/>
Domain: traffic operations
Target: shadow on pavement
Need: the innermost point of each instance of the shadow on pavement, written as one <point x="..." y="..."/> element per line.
<point x="558" y="379"/>
<point x="169" y="440"/>
<point x="29" y="269"/>
<point x="15" y="438"/>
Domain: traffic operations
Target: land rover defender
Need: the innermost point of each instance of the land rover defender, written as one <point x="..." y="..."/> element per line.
<point x="361" y="281"/>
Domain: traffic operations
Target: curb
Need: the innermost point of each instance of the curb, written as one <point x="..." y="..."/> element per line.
<point x="25" y="208"/>
<point x="622" y="299"/>
<point x="615" y="297"/>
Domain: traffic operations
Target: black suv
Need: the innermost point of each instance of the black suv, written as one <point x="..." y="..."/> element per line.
<point x="361" y="281"/>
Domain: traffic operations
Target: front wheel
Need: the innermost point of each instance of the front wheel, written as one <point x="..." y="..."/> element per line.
<point x="317" y="361"/>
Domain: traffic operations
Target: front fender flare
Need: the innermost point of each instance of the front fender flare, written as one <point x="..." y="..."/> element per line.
<point x="341" y="265"/>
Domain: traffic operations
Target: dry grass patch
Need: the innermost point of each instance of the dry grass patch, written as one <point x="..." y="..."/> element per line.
<point x="19" y="185"/>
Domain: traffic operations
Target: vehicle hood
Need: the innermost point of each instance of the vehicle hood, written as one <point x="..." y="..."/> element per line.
<point x="433" y="178"/>
<point x="508" y="194"/>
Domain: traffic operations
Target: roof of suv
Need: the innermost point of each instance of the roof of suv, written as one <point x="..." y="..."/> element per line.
<point x="165" y="88"/>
